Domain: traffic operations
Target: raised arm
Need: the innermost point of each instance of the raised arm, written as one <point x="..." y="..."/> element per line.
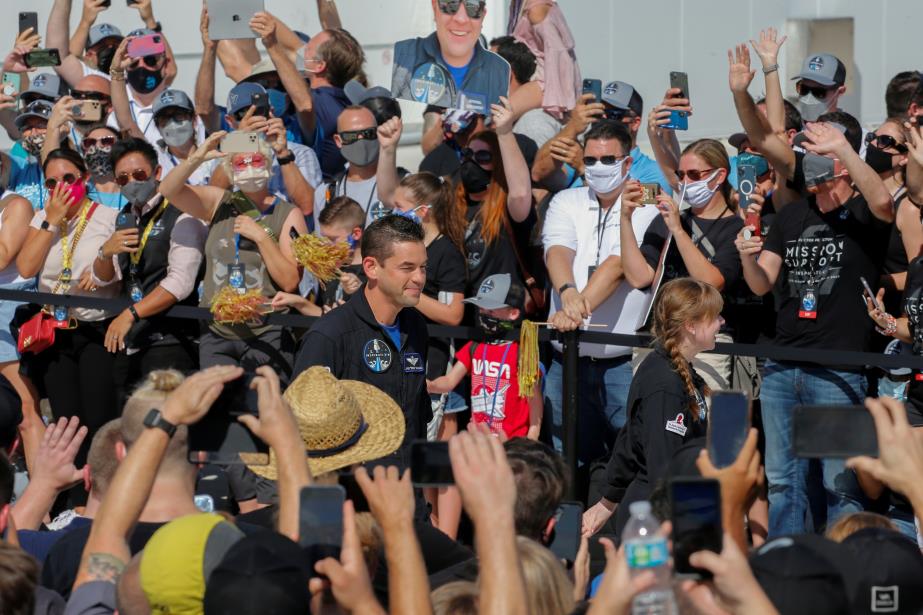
<point x="768" y="51"/>
<point x="119" y="93"/>
<point x="664" y="142"/>
<point x="760" y="267"/>
<point x="635" y="267"/>
<point x="328" y="14"/>
<point x="914" y="169"/>
<point x="59" y="123"/>
<point x="584" y="114"/>
<point x="389" y="137"/>
<point x="300" y="192"/>
<point x="197" y="201"/>
<point x="57" y="36"/>
<point x="91" y="11"/>
<point x="17" y="214"/>
<point x="518" y="180"/>
<point x="34" y="251"/>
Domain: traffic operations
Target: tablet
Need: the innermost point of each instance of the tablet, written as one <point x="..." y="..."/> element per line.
<point x="230" y="19"/>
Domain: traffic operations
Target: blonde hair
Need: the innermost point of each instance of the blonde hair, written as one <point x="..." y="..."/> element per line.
<point x="456" y="598"/>
<point x="680" y="302"/>
<point x="846" y="526"/>
<point x="152" y="393"/>
<point x="548" y="589"/>
<point x="715" y="156"/>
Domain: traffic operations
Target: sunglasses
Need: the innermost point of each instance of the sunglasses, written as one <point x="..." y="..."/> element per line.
<point x="480" y="157"/>
<point x="69" y="179"/>
<point x="885" y="141"/>
<point x="694" y="175"/>
<point x="152" y="61"/>
<point x="139" y="175"/>
<point x="351" y="136"/>
<point x="606" y="160"/>
<point x="818" y="92"/>
<point x="474" y="8"/>
<point x="89" y="96"/>
<point x="240" y="163"/>
<point x="103" y="142"/>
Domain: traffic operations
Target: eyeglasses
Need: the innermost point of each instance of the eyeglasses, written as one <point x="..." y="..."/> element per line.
<point x="174" y="114"/>
<point x="139" y="175"/>
<point x="482" y="156"/>
<point x="803" y="90"/>
<point x="351" y="136"/>
<point x="103" y="142"/>
<point x="89" y="96"/>
<point x="885" y="141"/>
<point x="240" y="163"/>
<point x="606" y="160"/>
<point x="474" y="8"/>
<point x="69" y="178"/>
<point x="618" y="115"/>
<point x="694" y="175"/>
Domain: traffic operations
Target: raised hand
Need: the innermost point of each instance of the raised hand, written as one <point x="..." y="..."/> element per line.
<point x="825" y="139"/>
<point x="768" y="47"/>
<point x="207" y="43"/>
<point x="59" y="203"/>
<point x="503" y="117"/>
<point x="389" y="494"/>
<point x="586" y="112"/>
<point x="191" y="400"/>
<point x="568" y="151"/>
<point x="264" y="25"/>
<point x="209" y="149"/>
<point x="739" y="72"/>
<point x="389" y="133"/>
<point x="274" y="424"/>
<point x="53" y="465"/>
<point x="276" y="135"/>
<point x="91" y="10"/>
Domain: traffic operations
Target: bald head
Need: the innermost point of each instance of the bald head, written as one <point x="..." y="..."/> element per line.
<point x="93" y="83"/>
<point x="355" y="118"/>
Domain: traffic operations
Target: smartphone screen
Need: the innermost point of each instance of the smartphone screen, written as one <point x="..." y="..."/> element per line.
<point x="833" y="432"/>
<point x="320" y="522"/>
<point x="594" y="87"/>
<point x="696" y="506"/>
<point x="430" y="465"/>
<point x="28" y="20"/>
<point x="42" y="57"/>
<point x="649" y="192"/>
<point x="728" y="425"/>
<point x="565" y="540"/>
<point x="220" y="438"/>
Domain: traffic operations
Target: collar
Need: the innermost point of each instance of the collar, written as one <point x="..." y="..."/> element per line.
<point x="594" y="204"/>
<point x="363" y="310"/>
<point x="154" y="202"/>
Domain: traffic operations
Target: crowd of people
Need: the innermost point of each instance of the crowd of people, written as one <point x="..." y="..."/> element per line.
<point x="128" y="197"/>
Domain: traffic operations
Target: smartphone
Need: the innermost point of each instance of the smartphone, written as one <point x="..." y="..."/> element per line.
<point x="126" y="220"/>
<point x="240" y="142"/>
<point x="320" y="522"/>
<point x="820" y="432"/>
<point x="261" y="102"/>
<point x="12" y="84"/>
<point x="220" y="438"/>
<point x="148" y="45"/>
<point x="649" y="193"/>
<point x="131" y="2"/>
<point x="594" y="87"/>
<point x="28" y="20"/>
<point x="38" y="58"/>
<point x="565" y="541"/>
<point x="430" y="465"/>
<point x="696" y="508"/>
<point x="868" y="291"/>
<point x="88" y="111"/>
<point x="679" y="120"/>
<point x="728" y="426"/>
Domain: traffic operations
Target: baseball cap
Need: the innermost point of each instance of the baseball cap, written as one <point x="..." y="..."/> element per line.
<point x="180" y="557"/>
<point x="36" y="108"/>
<point x="358" y="93"/>
<point x="799" y="139"/>
<point x="892" y="572"/>
<point x="824" y="68"/>
<point x="806" y="574"/>
<point x="172" y="98"/>
<point x="44" y="85"/>
<point x="622" y="96"/>
<point x="241" y="96"/>
<point x="263" y="573"/>
<point x="102" y="31"/>
<point x="498" y="291"/>
<point x="737" y="139"/>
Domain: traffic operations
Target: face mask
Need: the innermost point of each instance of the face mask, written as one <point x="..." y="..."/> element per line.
<point x="33" y="143"/>
<point x="760" y="165"/>
<point x="698" y="193"/>
<point x="139" y="193"/>
<point x="278" y="100"/>
<point x="411" y="215"/>
<point x="493" y="326"/>
<point x="361" y="153"/>
<point x="811" y="107"/>
<point x="817" y="169"/>
<point x="880" y="160"/>
<point x="474" y="178"/>
<point x="99" y="163"/>
<point x="604" y="178"/>
<point x="251" y="180"/>
<point x="352" y="242"/>
<point x="78" y="192"/>
<point x="144" y="81"/>
<point x="104" y="59"/>
<point x="177" y="134"/>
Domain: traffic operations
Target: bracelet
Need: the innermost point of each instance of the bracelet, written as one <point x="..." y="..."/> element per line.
<point x="890" y="328"/>
<point x="771" y="69"/>
<point x="134" y="313"/>
<point x="117" y="75"/>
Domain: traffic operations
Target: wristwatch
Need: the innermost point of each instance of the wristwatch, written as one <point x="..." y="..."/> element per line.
<point x="565" y="287"/>
<point x="48" y="226"/>
<point x="284" y="160"/>
<point x="157" y="27"/>
<point x="155" y="419"/>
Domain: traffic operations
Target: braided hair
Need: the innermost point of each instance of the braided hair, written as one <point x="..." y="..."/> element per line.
<point x="680" y="302"/>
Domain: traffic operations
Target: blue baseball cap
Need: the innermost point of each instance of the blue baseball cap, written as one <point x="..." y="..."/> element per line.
<point x="37" y="108"/>
<point x="241" y="96"/>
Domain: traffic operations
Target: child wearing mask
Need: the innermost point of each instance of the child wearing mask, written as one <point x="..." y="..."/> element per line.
<point x="495" y="395"/>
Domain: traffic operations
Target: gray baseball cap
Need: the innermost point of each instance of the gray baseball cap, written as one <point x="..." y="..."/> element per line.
<point x="102" y="31"/>
<point x="358" y="93"/>
<point x="172" y="98"/>
<point x="824" y="68"/>
<point x="622" y="96"/>
<point x="498" y="291"/>
<point x="44" y="85"/>
<point x="37" y="108"/>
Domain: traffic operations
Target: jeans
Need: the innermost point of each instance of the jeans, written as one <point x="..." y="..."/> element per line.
<point x="786" y="385"/>
<point x="602" y="392"/>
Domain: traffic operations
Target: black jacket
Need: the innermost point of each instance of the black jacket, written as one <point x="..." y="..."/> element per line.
<point x="659" y="422"/>
<point x="354" y="346"/>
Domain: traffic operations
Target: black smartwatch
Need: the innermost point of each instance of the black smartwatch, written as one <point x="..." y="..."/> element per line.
<point x="155" y="419"/>
<point x="48" y="226"/>
<point x="565" y="287"/>
<point x="284" y="160"/>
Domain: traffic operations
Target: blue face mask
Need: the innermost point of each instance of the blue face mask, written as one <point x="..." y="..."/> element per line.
<point x="411" y="215"/>
<point x="755" y="160"/>
<point x="352" y="241"/>
<point x="278" y="100"/>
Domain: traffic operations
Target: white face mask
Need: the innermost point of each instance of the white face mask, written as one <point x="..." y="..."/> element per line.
<point x="698" y="193"/>
<point x="812" y="107"/>
<point x="605" y="178"/>
<point x="251" y="179"/>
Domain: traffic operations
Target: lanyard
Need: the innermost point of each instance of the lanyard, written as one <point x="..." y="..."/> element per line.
<point x="68" y="247"/>
<point x="256" y="216"/>
<point x="136" y="257"/>
<point x="493" y="405"/>
<point x="134" y="116"/>
<point x="601" y="228"/>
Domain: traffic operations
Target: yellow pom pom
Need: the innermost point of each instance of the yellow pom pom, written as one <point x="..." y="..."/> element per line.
<point x="321" y="257"/>
<point x="527" y="366"/>
<point x="230" y="307"/>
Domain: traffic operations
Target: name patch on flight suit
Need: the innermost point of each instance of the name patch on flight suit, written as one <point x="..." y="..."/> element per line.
<point x="413" y="363"/>
<point x="377" y="356"/>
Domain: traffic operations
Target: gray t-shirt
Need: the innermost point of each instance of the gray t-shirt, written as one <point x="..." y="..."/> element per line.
<point x="538" y="126"/>
<point x="364" y="192"/>
<point x="93" y="598"/>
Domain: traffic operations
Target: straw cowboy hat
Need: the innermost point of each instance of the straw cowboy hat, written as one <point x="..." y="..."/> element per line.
<point x="342" y="422"/>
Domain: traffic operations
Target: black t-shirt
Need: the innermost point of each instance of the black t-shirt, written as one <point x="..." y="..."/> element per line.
<point x="499" y="256"/>
<point x="446" y="272"/>
<point x="825" y="254"/>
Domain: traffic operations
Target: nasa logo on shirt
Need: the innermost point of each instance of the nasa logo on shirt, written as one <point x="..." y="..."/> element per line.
<point x="676" y="425"/>
<point x="377" y="356"/>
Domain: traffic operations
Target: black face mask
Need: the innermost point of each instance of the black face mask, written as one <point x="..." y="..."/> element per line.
<point x="104" y="59"/>
<point x="144" y="81"/>
<point x="474" y="178"/>
<point x="880" y="160"/>
<point x="492" y="326"/>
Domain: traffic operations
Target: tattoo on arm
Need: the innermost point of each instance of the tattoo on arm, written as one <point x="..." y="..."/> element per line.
<point x="104" y="567"/>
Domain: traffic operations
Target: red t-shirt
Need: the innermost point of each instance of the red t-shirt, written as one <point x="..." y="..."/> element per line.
<point x="495" y="396"/>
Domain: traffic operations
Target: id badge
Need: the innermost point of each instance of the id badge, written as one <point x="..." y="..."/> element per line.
<point x="60" y="313"/>
<point x="590" y="271"/>
<point x="808" y="309"/>
<point x="136" y="293"/>
<point x="236" y="277"/>
<point x="66" y="275"/>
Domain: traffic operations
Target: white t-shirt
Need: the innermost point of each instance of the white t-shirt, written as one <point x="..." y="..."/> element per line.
<point x="364" y="192"/>
<point x="575" y="221"/>
<point x="144" y="118"/>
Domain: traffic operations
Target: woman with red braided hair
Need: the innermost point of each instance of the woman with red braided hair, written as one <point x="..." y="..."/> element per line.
<point x="666" y="401"/>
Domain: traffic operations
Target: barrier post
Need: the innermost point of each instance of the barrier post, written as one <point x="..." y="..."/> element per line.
<point x="571" y="354"/>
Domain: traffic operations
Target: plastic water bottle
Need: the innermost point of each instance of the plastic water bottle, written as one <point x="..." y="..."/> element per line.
<point x="646" y="551"/>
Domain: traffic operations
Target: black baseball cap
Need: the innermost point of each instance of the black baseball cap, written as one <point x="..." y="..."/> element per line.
<point x="892" y="572"/>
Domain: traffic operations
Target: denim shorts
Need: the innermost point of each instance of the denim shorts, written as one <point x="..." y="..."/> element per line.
<point x="7" y="310"/>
